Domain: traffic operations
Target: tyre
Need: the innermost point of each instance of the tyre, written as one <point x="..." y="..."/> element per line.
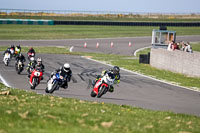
<point x="18" y="71"/>
<point x="101" y="92"/>
<point x="93" y="94"/>
<point x="46" y="90"/>
<point x="7" y="63"/>
<point x="54" y="87"/>
<point x="34" y="82"/>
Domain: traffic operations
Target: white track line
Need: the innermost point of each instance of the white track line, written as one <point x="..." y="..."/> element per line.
<point x="162" y="81"/>
<point x="141" y="49"/>
<point x="4" y="81"/>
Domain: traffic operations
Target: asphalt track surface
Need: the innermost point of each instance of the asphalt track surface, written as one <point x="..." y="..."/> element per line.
<point x="134" y="90"/>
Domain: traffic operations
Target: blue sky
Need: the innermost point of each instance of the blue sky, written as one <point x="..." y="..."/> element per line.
<point x="140" y="6"/>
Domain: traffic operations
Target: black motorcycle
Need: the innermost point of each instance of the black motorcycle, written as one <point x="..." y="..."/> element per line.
<point x="19" y="67"/>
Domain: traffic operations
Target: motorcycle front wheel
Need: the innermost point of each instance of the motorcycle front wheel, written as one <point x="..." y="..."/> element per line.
<point x="101" y="92"/>
<point x="34" y="82"/>
<point x="54" y="87"/>
<point x="93" y="94"/>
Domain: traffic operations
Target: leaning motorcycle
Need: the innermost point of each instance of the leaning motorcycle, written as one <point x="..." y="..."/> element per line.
<point x="12" y="52"/>
<point x="103" y="85"/>
<point x="30" y="55"/>
<point x="19" y="67"/>
<point x="6" y="58"/>
<point x="35" y="77"/>
<point x="55" y="82"/>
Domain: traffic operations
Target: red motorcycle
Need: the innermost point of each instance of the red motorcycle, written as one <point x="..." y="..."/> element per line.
<point x="35" y="78"/>
<point x="103" y="85"/>
<point x="30" y="54"/>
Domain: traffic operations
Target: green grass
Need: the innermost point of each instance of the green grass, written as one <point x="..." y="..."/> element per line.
<point x="196" y="46"/>
<point x="23" y="111"/>
<point x="37" y="32"/>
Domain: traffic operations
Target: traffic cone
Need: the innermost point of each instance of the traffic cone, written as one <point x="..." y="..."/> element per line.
<point x="111" y="44"/>
<point x="97" y="46"/>
<point x="85" y="45"/>
<point x="129" y="44"/>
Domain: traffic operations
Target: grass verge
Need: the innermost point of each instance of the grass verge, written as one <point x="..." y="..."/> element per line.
<point x="38" y="32"/>
<point x="23" y="111"/>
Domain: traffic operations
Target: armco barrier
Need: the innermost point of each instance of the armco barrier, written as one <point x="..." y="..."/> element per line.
<point x="176" y="61"/>
<point x="181" y="24"/>
<point x="52" y="22"/>
<point x="27" y="21"/>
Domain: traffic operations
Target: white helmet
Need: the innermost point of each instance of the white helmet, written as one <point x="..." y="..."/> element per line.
<point x="39" y="60"/>
<point x="32" y="59"/>
<point x="66" y="67"/>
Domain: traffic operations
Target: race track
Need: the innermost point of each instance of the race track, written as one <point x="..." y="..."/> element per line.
<point x="120" y="45"/>
<point x="134" y="90"/>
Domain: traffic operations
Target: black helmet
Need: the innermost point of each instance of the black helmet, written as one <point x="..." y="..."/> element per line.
<point x="116" y="70"/>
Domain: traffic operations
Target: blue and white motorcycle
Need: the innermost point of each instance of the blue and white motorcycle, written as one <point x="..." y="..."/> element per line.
<point x="55" y="82"/>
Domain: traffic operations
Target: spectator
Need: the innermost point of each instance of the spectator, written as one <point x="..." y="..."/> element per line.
<point x="175" y="46"/>
<point x="188" y="48"/>
<point x="182" y="48"/>
<point x="170" y="46"/>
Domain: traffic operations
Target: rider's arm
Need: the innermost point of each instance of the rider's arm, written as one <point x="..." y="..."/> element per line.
<point x="103" y="72"/>
<point x="117" y="79"/>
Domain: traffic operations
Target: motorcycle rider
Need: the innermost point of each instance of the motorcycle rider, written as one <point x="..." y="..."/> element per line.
<point x="65" y="71"/>
<point x="31" y="65"/>
<point x="17" y="50"/>
<point x="7" y="51"/>
<point x="115" y="71"/>
<point x="30" y="52"/>
<point x="39" y="64"/>
<point x="20" y="57"/>
<point x="12" y="50"/>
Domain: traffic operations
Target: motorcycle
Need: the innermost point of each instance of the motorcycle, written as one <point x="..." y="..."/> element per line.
<point x="35" y="77"/>
<point x="12" y="52"/>
<point x="102" y="85"/>
<point x="19" y="67"/>
<point x="55" y="82"/>
<point x="6" y="59"/>
<point x="30" y="55"/>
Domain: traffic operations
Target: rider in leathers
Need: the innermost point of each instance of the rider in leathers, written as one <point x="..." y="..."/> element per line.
<point x="20" y="57"/>
<point x="31" y="65"/>
<point x="64" y="71"/>
<point x="31" y="50"/>
<point x="115" y="70"/>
